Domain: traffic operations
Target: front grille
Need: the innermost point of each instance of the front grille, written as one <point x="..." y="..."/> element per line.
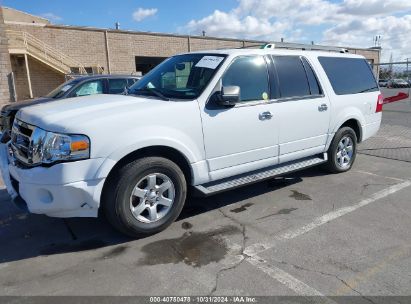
<point x="21" y="142"/>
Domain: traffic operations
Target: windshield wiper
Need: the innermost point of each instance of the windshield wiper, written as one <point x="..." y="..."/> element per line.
<point x="153" y="91"/>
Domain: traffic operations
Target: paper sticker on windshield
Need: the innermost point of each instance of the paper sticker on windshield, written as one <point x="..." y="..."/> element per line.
<point x="65" y="88"/>
<point x="210" y="62"/>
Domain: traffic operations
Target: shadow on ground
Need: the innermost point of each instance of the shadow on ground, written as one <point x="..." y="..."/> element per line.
<point x="25" y="235"/>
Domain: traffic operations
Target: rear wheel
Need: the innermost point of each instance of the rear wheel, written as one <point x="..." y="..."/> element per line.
<point x="342" y="151"/>
<point x="145" y="196"/>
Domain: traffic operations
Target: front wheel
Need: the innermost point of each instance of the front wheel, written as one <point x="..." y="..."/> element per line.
<point x="145" y="196"/>
<point x="342" y="151"/>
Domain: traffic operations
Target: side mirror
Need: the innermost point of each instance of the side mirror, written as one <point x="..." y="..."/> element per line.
<point x="230" y="95"/>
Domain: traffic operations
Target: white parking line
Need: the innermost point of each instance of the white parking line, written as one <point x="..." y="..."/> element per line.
<point x="292" y="283"/>
<point x="283" y="277"/>
<point x="299" y="287"/>
<point x="373" y="174"/>
<point x="257" y="248"/>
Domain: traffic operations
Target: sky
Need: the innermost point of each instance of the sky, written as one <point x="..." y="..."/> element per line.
<point x="353" y="23"/>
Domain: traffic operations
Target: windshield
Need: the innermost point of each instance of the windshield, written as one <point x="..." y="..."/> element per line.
<point x="62" y="89"/>
<point x="179" y="77"/>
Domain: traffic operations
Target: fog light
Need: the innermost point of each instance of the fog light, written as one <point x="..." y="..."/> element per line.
<point x="45" y="196"/>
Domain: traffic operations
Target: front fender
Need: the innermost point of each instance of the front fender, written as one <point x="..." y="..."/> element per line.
<point x="174" y="139"/>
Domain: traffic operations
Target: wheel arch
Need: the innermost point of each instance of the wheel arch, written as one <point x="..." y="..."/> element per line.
<point x="160" y="151"/>
<point x="356" y="126"/>
<point x="352" y="121"/>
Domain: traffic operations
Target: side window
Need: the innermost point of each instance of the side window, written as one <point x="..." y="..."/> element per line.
<point x="178" y="78"/>
<point x="131" y="81"/>
<point x="349" y="75"/>
<point x="251" y="75"/>
<point x="89" y="88"/>
<point x="116" y="85"/>
<point x="315" y="88"/>
<point x="291" y="76"/>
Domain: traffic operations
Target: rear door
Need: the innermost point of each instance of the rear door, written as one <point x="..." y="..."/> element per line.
<point x="303" y="110"/>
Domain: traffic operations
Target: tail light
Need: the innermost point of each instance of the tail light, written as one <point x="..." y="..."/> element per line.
<point x="380" y="103"/>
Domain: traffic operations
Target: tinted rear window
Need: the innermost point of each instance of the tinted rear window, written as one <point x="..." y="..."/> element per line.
<point x="349" y="75"/>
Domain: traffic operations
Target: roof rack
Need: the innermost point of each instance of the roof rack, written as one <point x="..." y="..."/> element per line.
<point x="305" y="47"/>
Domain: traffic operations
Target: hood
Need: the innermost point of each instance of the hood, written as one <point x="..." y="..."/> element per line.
<point x="26" y="103"/>
<point x="76" y="115"/>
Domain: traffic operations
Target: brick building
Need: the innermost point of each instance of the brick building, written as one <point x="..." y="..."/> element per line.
<point x="38" y="55"/>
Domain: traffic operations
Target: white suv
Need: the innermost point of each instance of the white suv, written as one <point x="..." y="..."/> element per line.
<point x="212" y="120"/>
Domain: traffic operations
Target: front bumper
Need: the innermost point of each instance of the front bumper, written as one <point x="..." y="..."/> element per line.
<point x="63" y="190"/>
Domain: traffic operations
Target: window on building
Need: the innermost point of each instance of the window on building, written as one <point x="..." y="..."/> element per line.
<point x="349" y="75"/>
<point x="292" y="77"/>
<point x="89" y="88"/>
<point x="145" y="64"/>
<point x="89" y="70"/>
<point x="117" y="85"/>
<point x="250" y="74"/>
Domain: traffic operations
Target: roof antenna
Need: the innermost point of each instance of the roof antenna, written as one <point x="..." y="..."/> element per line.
<point x="117" y="24"/>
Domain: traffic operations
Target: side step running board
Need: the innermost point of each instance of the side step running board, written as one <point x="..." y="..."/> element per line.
<point x="259" y="175"/>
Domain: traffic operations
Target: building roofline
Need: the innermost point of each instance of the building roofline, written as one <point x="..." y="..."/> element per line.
<point x="132" y="32"/>
<point x="159" y="34"/>
<point x="25" y="13"/>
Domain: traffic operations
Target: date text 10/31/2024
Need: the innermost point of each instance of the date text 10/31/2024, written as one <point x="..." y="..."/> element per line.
<point x="204" y="299"/>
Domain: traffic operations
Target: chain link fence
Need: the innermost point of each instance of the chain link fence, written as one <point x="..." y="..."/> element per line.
<point x="393" y="141"/>
<point x="394" y="79"/>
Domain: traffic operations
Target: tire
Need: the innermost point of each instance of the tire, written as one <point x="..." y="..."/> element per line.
<point x="132" y="208"/>
<point x="344" y="137"/>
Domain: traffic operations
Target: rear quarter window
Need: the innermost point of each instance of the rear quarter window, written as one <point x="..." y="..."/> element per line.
<point x="349" y="75"/>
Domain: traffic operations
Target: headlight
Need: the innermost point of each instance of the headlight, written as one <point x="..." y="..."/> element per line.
<point x="62" y="147"/>
<point x="34" y="146"/>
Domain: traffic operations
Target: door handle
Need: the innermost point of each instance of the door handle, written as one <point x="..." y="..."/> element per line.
<point x="323" y="107"/>
<point x="265" y="115"/>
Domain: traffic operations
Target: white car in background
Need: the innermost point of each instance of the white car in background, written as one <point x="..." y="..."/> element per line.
<point x="211" y="121"/>
<point x="397" y="83"/>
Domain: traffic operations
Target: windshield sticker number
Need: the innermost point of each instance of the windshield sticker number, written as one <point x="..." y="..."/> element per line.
<point x="65" y="88"/>
<point x="209" y="62"/>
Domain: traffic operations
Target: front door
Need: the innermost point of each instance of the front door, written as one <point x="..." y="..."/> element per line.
<point x="243" y="137"/>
